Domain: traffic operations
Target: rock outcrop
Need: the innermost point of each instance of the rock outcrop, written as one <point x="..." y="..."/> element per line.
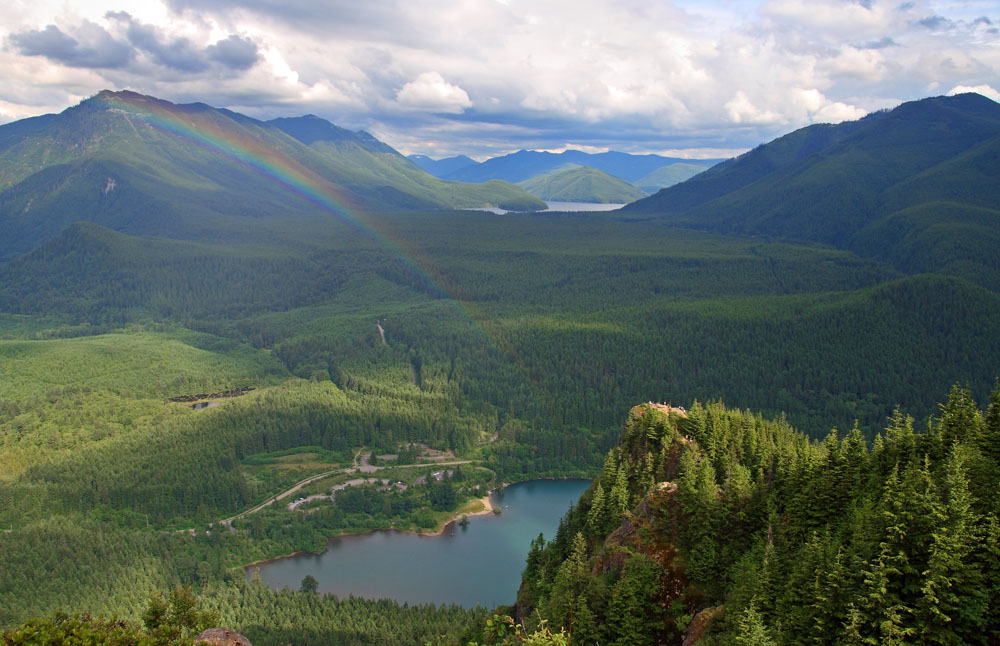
<point x="700" y="624"/>
<point x="222" y="637"/>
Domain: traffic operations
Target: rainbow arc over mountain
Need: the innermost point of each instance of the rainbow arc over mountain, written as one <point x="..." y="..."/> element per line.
<point x="204" y="129"/>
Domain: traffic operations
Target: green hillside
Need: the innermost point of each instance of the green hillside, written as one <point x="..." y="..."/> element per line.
<point x="167" y="363"/>
<point x="64" y="394"/>
<point x="844" y="184"/>
<point x="667" y="176"/>
<point x="141" y="165"/>
<point x="616" y="304"/>
<point x="581" y="184"/>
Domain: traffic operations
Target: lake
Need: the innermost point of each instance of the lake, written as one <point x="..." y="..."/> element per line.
<point x="479" y="564"/>
<point x="582" y="206"/>
<point x="560" y="207"/>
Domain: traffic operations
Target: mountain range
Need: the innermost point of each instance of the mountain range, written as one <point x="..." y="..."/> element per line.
<point x="635" y="175"/>
<point x="525" y="164"/>
<point x="917" y="186"/>
<point x="146" y="166"/>
<point x="442" y="167"/>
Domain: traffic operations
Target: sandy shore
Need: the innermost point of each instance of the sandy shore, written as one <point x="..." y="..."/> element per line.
<point x="485" y="511"/>
<point x="487" y="506"/>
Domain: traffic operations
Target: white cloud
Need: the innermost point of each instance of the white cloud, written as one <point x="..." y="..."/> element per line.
<point x="431" y="92"/>
<point x="279" y="66"/>
<point x="832" y="19"/>
<point x="865" y="64"/>
<point x="741" y="110"/>
<point x="593" y="150"/>
<point x="701" y="153"/>
<point x="477" y="77"/>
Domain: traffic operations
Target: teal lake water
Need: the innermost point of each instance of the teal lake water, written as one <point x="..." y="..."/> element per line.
<point x="479" y="564"/>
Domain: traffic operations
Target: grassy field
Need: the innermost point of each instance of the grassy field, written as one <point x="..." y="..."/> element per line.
<point x="132" y="363"/>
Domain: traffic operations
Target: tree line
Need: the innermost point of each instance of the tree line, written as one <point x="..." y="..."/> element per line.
<point x="744" y="528"/>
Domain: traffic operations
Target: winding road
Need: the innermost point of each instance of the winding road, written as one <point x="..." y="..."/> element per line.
<point x="364" y="467"/>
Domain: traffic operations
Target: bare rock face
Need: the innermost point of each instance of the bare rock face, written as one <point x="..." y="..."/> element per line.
<point x="666" y="409"/>
<point x="700" y="624"/>
<point x="624" y="533"/>
<point x="222" y="637"/>
<point x="641" y="516"/>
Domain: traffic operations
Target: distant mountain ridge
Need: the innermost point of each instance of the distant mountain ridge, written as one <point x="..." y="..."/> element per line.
<point x="441" y="168"/>
<point x="918" y="186"/>
<point x="146" y="166"/>
<point x="526" y="164"/>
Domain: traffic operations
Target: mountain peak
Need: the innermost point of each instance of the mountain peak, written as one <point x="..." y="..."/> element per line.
<point x="120" y="95"/>
<point x="576" y="183"/>
<point x="310" y="129"/>
<point x="108" y="99"/>
<point x="967" y="99"/>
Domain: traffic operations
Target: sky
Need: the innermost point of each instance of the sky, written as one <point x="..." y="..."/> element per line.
<point x="487" y="77"/>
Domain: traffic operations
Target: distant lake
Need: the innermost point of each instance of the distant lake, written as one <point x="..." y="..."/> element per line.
<point x="479" y="564"/>
<point x="562" y="206"/>
<point x="582" y="206"/>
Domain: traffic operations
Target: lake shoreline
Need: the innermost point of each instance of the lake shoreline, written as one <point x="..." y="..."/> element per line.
<point x="477" y="563"/>
<point x="488" y="509"/>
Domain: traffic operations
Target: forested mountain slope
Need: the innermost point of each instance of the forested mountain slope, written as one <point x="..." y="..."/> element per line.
<point x="581" y="184"/>
<point x="560" y="324"/>
<point x="667" y="176"/>
<point x="917" y="186"/>
<point x="138" y="164"/>
<point x="715" y="526"/>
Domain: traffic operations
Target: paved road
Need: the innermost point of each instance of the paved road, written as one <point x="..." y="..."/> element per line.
<point x="360" y="464"/>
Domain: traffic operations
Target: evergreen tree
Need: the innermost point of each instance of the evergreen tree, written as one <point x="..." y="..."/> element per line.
<point x="632" y="620"/>
<point x="309" y="585"/>
<point x="960" y="420"/>
<point x="953" y="603"/>
<point x="618" y="500"/>
<point x="751" y="631"/>
<point x="570" y="585"/>
<point x="987" y="555"/>
<point x="991" y="426"/>
<point x="585" y="629"/>
<point x="878" y="616"/>
<point x="829" y="606"/>
<point x="597" y="516"/>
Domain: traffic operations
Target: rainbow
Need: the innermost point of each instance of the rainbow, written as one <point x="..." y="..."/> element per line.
<point x="238" y="147"/>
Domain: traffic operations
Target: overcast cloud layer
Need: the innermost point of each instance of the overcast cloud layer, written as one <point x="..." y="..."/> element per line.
<point x="487" y="77"/>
